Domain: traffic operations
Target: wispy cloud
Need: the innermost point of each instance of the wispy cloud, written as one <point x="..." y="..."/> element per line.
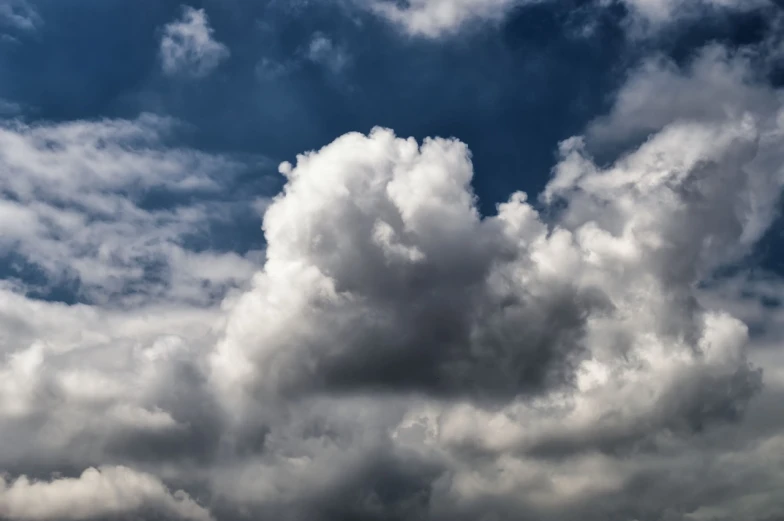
<point x="320" y="50"/>
<point x="19" y="14"/>
<point x="76" y="209"/>
<point x="437" y="18"/>
<point x="188" y="46"/>
<point x="323" y="51"/>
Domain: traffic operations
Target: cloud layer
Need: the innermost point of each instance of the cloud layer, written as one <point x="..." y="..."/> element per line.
<point x="96" y="493"/>
<point x="79" y="208"/>
<point x="594" y="352"/>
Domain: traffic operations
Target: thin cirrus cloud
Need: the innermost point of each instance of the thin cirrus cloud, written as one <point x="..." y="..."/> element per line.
<point x="188" y="46"/>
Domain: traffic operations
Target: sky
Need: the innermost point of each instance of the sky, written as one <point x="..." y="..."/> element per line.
<point x="376" y="260"/>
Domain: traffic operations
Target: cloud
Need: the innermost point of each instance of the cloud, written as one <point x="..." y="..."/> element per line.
<point x="407" y="270"/>
<point x="397" y="354"/>
<point x="321" y="51"/>
<point x="77" y="207"/>
<point x="433" y="18"/>
<point x="564" y="350"/>
<point x="719" y="84"/>
<point x="82" y="221"/>
<point x="382" y="276"/>
<point x="436" y="18"/>
<point x="662" y="11"/>
<point x="9" y="108"/>
<point x="108" y="492"/>
<point x="19" y="14"/>
<point x="324" y="52"/>
<point x="188" y="46"/>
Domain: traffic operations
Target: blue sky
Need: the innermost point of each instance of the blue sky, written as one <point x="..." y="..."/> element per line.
<point x="377" y="260"/>
<point x="513" y="91"/>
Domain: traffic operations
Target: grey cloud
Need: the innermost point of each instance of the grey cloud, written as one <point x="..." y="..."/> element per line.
<point x="119" y="380"/>
<point x="416" y="293"/>
<point x="82" y="385"/>
<point x="404" y="285"/>
<point x="399" y="356"/>
<point x="651" y="369"/>
<point x="109" y="492"/>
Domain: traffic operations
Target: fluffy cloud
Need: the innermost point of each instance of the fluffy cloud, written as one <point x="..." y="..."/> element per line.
<point x="398" y="355"/>
<point x="81" y="384"/>
<point x="188" y="46"/>
<point x="105" y="214"/>
<point x="521" y="351"/>
<point x="108" y="492"/>
<point x="718" y="85"/>
<point x="382" y="276"/>
<point x="377" y="252"/>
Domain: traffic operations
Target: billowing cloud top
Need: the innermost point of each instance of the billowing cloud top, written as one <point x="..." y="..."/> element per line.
<point x="190" y="330"/>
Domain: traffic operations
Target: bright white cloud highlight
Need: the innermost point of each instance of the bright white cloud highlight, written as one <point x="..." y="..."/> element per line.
<point x="432" y="18"/>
